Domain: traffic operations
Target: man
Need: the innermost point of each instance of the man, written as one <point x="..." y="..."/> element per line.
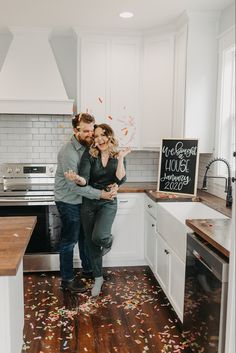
<point x="68" y="198"/>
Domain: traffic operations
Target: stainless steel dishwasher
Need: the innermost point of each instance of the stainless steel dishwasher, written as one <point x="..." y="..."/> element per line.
<point x="205" y="299"/>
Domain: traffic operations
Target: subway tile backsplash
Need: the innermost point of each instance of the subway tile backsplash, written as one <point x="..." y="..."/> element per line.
<point x="37" y="139"/>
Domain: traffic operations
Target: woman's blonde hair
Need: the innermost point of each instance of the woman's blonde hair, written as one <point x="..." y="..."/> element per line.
<point x="112" y="143"/>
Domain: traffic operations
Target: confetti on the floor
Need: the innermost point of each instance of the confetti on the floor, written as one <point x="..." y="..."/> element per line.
<point x="54" y="316"/>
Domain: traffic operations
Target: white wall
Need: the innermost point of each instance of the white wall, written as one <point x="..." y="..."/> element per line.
<point x="227" y="18"/>
<point x="5" y="41"/>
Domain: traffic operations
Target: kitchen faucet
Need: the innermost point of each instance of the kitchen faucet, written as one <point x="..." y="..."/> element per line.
<point x="228" y="185"/>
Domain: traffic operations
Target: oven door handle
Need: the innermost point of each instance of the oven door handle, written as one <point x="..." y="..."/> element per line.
<point x="33" y="199"/>
<point x="203" y="262"/>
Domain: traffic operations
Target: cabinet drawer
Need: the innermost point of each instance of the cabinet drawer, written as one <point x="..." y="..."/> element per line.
<point x="150" y="206"/>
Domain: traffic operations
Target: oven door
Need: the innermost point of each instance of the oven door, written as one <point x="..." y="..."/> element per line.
<point x="205" y="298"/>
<point x="43" y="248"/>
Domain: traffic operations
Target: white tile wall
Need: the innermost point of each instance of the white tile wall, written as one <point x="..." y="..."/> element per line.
<point x="214" y="186"/>
<point x="37" y="139"/>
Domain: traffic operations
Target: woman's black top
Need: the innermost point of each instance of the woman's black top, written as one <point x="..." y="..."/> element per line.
<point x="96" y="175"/>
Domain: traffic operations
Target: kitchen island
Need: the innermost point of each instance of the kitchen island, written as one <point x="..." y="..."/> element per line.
<point x="15" y="233"/>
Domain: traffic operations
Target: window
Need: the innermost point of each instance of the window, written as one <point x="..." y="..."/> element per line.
<point x="226" y="108"/>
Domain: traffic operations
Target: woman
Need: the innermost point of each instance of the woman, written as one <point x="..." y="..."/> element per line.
<point x="101" y="167"/>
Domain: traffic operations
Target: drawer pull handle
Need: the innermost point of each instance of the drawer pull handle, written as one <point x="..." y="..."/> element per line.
<point x="166" y="251"/>
<point x="149" y="206"/>
<point x="124" y="201"/>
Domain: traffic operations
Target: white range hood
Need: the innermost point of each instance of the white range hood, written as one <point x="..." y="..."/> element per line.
<point x="30" y="82"/>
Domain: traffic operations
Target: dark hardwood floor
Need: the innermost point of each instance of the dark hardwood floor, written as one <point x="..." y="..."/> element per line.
<point x="131" y="316"/>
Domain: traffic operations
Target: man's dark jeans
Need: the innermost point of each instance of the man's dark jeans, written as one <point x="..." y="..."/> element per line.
<point x="71" y="234"/>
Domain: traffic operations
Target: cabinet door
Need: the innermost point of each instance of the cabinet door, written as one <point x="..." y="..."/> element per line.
<point x="150" y="241"/>
<point x="179" y="82"/>
<point x="93" y="96"/>
<point x="176" y="284"/>
<point x="110" y="75"/>
<point x="124" y="90"/>
<point x="158" y="64"/>
<point x="128" y="244"/>
<point x="162" y="263"/>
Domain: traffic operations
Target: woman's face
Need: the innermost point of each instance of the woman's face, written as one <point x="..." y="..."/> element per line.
<point x="100" y="139"/>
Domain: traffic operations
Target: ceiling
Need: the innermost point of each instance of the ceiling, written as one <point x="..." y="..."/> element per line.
<point x="99" y="14"/>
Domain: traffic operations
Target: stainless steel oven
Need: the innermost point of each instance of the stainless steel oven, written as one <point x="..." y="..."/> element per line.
<point x="28" y="189"/>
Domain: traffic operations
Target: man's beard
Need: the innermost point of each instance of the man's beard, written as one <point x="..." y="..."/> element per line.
<point x="86" y="143"/>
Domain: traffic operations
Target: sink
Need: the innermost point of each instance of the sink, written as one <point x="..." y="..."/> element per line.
<point x="171" y="217"/>
<point x="191" y="210"/>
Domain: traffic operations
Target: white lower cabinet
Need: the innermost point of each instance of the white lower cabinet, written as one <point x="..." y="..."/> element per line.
<point x="150" y="240"/>
<point x="162" y="264"/>
<point x="127" y="230"/>
<point x="170" y="273"/>
<point x="128" y="233"/>
<point x="176" y="283"/>
<point x="162" y="254"/>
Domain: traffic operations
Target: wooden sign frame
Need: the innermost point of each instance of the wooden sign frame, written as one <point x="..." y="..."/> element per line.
<point x="177" y="156"/>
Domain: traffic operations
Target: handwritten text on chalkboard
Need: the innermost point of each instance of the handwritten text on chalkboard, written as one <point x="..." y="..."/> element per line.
<point x="178" y="166"/>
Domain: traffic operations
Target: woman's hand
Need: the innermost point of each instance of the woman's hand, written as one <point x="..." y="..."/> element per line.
<point x="123" y="153"/>
<point x="72" y="176"/>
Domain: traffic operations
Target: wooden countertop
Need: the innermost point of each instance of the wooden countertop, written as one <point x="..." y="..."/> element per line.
<point x="137" y="187"/>
<point x="215" y="231"/>
<point x="15" y="233"/>
<point x="163" y="197"/>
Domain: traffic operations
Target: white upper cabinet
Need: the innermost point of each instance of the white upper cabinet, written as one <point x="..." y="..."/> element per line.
<point x="110" y="75"/>
<point x="195" y="80"/>
<point x="93" y="96"/>
<point x="153" y="87"/>
<point x="157" y="94"/>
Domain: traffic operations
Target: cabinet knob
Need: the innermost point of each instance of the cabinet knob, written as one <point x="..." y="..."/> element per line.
<point x="166" y="251"/>
<point x="149" y="206"/>
<point x="153" y="225"/>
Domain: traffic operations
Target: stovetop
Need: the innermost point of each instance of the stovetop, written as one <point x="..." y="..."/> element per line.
<point x="27" y="182"/>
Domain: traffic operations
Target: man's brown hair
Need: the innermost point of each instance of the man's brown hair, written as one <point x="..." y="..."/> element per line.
<point x="84" y="117"/>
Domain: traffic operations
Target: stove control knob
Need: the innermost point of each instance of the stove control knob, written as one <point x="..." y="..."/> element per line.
<point x="17" y="170"/>
<point x="9" y="170"/>
<point x="51" y="169"/>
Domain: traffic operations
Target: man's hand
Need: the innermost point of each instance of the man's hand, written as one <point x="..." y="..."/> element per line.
<point x="108" y="195"/>
<point x="113" y="187"/>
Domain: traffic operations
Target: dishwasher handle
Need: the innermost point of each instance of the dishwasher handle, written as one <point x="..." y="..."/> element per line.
<point x="200" y="258"/>
<point x="215" y="263"/>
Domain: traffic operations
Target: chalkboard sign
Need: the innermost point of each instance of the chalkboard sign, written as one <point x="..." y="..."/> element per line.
<point x="178" y="166"/>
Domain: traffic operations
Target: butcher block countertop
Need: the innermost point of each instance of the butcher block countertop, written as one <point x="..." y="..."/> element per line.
<point x="137" y="187"/>
<point x="15" y="233"/>
<point x="216" y="232"/>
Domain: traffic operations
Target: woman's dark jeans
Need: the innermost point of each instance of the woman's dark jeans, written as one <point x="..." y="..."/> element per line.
<point x="97" y="218"/>
<point x="70" y="235"/>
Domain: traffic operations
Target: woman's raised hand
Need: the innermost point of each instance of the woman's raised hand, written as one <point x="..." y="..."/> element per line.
<point x="124" y="152"/>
